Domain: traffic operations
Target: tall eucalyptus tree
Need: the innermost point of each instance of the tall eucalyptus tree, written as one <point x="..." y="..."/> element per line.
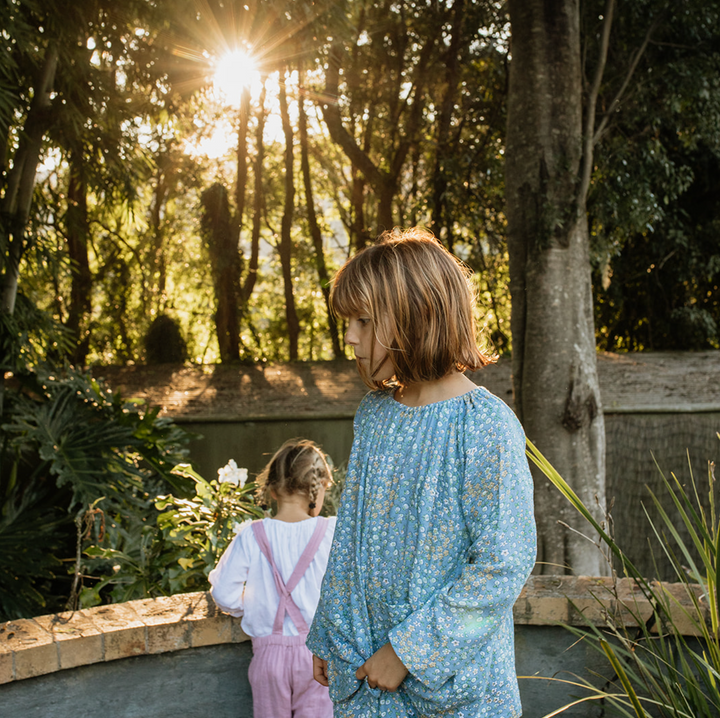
<point x="557" y="397"/>
<point x="557" y="115"/>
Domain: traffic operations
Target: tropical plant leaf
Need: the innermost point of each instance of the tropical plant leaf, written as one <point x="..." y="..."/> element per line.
<point x="96" y="454"/>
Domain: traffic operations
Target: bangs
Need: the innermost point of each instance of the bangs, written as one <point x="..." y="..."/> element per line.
<point x="351" y="294"/>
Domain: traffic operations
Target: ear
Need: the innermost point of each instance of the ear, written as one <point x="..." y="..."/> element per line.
<point x="273" y="493"/>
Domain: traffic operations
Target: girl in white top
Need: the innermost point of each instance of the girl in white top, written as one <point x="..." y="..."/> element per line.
<point x="271" y="575"/>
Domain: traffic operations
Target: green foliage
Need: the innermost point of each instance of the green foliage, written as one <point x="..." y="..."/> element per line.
<point x="71" y="448"/>
<point x="196" y="530"/>
<point x="28" y="336"/>
<point x="663" y="289"/>
<point x="660" y="669"/>
<point x="175" y="549"/>
<point x="90" y="438"/>
<point x="422" y="93"/>
<point x="33" y="533"/>
<point x="654" y="224"/>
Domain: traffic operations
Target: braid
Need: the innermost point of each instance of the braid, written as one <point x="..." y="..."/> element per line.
<point x="265" y="480"/>
<point x="315" y="486"/>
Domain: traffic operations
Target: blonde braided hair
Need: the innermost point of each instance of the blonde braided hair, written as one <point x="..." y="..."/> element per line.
<point x="298" y="467"/>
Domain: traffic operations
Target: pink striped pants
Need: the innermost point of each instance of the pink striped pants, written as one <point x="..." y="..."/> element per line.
<point x="281" y="678"/>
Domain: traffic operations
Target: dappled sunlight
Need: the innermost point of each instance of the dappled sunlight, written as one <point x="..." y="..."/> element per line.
<point x="217" y="144"/>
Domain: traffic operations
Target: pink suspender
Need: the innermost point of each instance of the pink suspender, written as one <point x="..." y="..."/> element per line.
<point x="287" y="605"/>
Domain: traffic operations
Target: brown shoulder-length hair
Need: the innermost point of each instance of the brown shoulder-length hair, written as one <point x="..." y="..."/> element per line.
<point x="420" y="301"/>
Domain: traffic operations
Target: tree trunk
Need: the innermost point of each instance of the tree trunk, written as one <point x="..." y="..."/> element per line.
<point x="17" y="200"/>
<point x="315" y="233"/>
<point x="285" y="247"/>
<point x="78" y="231"/>
<point x="555" y="381"/>
<point x="16" y="203"/>
<point x="386" y="193"/>
<point x="221" y="239"/>
<point x="154" y="294"/>
<point x="359" y="231"/>
<point x="251" y="276"/>
<point x="442" y="226"/>
<point x="242" y="170"/>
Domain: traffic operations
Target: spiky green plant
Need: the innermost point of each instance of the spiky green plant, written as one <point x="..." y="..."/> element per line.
<point x="659" y="669"/>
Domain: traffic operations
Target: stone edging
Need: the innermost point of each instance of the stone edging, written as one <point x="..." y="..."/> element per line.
<point x="583" y="600"/>
<point x="46" y="644"/>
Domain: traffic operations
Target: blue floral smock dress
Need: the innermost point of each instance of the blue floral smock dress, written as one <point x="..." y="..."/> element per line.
<point x="434" y="540"/>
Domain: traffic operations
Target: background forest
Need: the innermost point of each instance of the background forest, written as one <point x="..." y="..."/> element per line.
<point x="179" y="181"/>
<point x="213" y="163"/>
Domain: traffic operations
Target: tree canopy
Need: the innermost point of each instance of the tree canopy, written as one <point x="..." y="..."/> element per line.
<point x="114" y="131"/>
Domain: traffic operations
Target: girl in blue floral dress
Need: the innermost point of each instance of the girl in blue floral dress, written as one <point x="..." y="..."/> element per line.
<point x="435" y="534"/>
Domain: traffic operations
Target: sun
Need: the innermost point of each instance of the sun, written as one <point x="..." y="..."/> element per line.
<point x="234" y="72"/>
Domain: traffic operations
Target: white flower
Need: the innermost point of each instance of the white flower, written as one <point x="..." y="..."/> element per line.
<point x="230" y="474"/>
<point x="242" y="477"/>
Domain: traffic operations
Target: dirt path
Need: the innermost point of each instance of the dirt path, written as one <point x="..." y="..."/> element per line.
<point x="657" y="381"/>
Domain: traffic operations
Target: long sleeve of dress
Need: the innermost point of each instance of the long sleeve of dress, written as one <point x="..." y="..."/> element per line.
<point x="456" y="628"/>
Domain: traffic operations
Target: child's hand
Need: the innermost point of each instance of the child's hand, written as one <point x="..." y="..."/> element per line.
<point x="320" y="671"/>
<point x="383" y="670"/>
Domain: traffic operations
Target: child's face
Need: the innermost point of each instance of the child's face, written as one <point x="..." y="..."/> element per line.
<point x="370" y="354"/>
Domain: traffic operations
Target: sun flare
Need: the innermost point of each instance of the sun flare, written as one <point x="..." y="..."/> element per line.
<point x="234" y="72"/>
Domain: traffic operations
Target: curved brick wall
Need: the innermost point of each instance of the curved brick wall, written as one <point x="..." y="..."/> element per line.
<point x="46" y="644"/>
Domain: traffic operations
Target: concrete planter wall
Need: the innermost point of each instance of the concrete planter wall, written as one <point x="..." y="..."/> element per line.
<point x="178" y="656"/>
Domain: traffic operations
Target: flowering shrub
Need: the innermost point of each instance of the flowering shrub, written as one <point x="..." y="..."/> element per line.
<point x="197" y="530"/>
<point x="175" y="552"/>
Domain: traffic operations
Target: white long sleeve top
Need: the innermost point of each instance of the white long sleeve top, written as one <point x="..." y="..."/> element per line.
<point x="243" y="585"/>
